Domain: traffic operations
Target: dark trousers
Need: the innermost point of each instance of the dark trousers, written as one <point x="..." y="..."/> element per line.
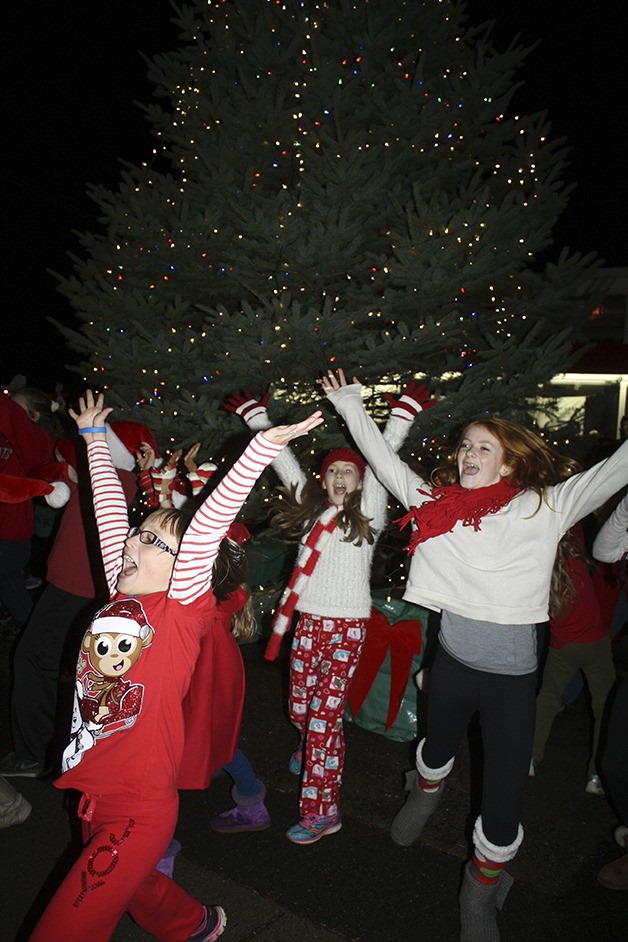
<point x="37" y="666"/>
<point x="14" y="555"/>
<point x="506" y="707"/>
<point x="615" y="756"/>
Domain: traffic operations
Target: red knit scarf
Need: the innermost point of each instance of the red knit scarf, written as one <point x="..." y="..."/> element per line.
<point x="451" y="504"/>
<point x="309" y="556"/>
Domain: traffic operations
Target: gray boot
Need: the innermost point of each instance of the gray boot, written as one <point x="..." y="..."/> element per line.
<point x="479" y="903"/>
<point x="412" y="817"/>
<point x="14" y="808"/>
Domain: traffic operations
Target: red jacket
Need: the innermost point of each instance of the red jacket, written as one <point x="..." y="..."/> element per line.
<point x="23" y="445"/>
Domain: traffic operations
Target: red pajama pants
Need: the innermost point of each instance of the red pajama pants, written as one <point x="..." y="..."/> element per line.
<point x="324" y="656"/>
<point x="115" y="873"/>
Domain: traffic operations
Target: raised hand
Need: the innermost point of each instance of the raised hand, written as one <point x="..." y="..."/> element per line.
<point x="330" y="383"/>
<point x="92" y="414"/>
<point x="189" y="459"/>
<point x="414" y="399"/>
<point x="246" y="405"/>
<point x="145" y="457"/>
<point x="282" y="434"/>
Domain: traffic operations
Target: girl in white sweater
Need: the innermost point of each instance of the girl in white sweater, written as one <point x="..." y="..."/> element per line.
<point x="338" y="518"/>
<point x="482" y="554"/>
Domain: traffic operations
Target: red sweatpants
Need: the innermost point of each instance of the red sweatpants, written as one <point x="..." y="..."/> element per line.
<point x="324" y="656"/>
<point x="115" y="873"/>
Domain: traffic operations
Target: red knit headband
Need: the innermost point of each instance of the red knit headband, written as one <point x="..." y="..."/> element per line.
<point x="343" y="454"/>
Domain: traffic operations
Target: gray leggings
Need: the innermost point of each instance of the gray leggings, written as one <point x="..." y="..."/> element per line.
<point x="506" y="706"/>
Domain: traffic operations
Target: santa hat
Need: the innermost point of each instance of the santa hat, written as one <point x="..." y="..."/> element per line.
<point x="122" y="617"/>
<point x="14" y="490"/>
<point x="125" y="438"/>
<point x="343" y="454"/>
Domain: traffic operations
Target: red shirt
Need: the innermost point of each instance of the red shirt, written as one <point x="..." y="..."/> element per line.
<point x="71" y="562"/>
<point x="139" y="655"/>
<point x="583" y="622"/>
<point x="23" y="445"/>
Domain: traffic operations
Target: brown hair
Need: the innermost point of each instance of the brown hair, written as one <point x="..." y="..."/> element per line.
<point x="298" y="516"/>
<point x="229" y="571"/>
<point x="562" y="590"/>
<point x="535" y="466"/>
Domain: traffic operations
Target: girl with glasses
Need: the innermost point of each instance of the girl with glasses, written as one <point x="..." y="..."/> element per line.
<point x="134" y="670"/>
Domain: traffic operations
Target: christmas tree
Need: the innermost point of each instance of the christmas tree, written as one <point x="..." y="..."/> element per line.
<point x="331" y="184"/>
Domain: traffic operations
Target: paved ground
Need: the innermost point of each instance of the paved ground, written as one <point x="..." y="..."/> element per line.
<point x="355" y="886"/>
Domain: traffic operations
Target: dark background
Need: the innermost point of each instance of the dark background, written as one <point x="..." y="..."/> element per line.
<point x="74" y="70"/>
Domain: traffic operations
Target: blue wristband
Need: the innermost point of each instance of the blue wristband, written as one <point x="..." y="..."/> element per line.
<point x="92" y="428"/>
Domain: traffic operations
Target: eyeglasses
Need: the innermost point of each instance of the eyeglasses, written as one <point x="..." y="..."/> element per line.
<point x="148" y="538"/>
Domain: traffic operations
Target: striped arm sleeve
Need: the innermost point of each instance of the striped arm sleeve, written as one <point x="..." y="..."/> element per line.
<point x="110" y="508"/>
<point x="193" y="566"/>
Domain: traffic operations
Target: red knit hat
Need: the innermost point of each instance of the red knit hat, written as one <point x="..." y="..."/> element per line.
<point x="343" y="454"/>
<point x="126" y="440"/>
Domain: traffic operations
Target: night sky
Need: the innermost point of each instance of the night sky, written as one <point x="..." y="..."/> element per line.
<point x="70" y="116"/>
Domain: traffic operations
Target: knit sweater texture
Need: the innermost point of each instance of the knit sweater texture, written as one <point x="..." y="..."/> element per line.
<point x="340" y="587"/>
<point x="502" y="572"/>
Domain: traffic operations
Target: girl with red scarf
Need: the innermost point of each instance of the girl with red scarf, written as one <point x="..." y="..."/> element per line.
<point x="483" y="544"/>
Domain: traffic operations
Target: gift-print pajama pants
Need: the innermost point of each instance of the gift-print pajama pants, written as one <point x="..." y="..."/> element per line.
<point x="324" y="656"/>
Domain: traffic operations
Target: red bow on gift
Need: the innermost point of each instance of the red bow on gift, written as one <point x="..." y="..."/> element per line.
<point x="404" y="639"/>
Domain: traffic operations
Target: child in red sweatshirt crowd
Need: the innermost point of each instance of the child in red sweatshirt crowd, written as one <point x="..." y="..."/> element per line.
<point x="134" y="671"/>
<point x="579" y="640"/>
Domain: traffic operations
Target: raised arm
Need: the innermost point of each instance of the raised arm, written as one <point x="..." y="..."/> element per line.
<point x="393" y="473"/>
<point x="193" y="567"/>
<point x="403" y="410"/>
<point x="110" y="507"/>
<point x="254" y="412"/>
<point x="611" y="543"/>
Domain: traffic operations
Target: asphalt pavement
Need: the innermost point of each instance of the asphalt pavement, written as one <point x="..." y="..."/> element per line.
<point x="356" y="885"/>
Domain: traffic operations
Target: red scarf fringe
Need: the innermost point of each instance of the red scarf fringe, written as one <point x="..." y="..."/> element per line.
<point x="452" y="504"/>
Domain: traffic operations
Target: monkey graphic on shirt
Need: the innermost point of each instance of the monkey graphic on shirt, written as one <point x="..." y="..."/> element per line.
<point x="104" y="702"/>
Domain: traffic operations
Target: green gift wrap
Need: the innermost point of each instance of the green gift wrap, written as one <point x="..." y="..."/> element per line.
<point x="383" y="695"/>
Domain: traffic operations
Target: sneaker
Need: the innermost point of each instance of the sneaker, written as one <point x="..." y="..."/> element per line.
<point x="296" y="762"/>
<point x="33" y="582"/>
<point x="11" y="766"/>
<point x="312" y="827"/>
<point x="14" y="811"/>
<point x="594" y="785"/>
<point x="214" y="917"/>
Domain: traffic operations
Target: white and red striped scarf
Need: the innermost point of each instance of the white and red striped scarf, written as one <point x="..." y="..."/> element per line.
<point x="309" y="556"/>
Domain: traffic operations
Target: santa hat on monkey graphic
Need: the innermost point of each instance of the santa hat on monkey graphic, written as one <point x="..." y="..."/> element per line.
<point x="122" y="617"/>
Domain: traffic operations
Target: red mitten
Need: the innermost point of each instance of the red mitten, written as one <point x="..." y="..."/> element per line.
<point x="413" y="400"/>
<point x="246" y="405"/>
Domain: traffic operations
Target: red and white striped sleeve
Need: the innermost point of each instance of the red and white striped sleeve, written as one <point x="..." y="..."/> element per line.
<point x="110" y="508"/>
<point x="193" y="566"/>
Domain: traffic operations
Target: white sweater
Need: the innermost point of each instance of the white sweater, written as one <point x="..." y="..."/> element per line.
<point x="502" y="572"/>
<point x="340" y="587"/>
